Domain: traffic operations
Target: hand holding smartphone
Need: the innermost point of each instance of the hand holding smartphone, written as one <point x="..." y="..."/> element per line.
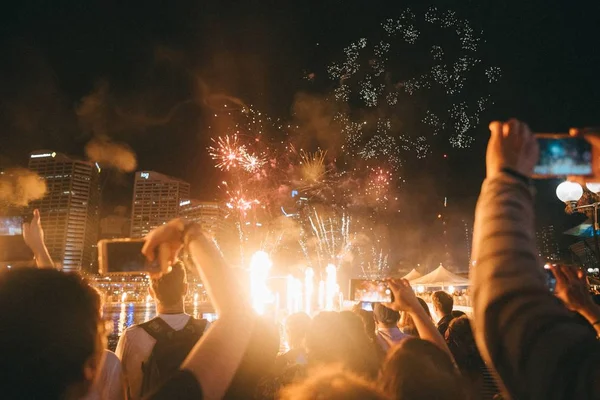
<point x="122" y="256"/>
<point x="563" y="155"/>
<point x="370" y="291"/>
<point x="12" y="245"/>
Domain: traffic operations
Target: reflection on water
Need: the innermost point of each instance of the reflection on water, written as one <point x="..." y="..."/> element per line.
<point x="123" y="315"/>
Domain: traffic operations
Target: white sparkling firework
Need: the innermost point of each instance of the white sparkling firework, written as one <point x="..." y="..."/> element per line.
<point x="327" y="238"/>
<point x="457" y="115"/>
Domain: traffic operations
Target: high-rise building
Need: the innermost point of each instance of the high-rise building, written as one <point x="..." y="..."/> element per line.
<point x="156" y="199"/>
<point x="547" y="244"/>
<point x="70" y="208"/>
<point x="209" y="214"/>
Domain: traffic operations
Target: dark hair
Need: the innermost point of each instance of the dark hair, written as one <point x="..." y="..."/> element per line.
<point x="457" y="313"/>
<point x="418" y="369"/>
<point x="442" y="301"/>
<point x="368" y="321"/>
<point x="50" y="325"/>
<point x="409" y="325"/>
<point x="461" y="342"/>
<point x="170" y="287"/>
<point x="425" y="306"/>
<point x="385" y="315"/>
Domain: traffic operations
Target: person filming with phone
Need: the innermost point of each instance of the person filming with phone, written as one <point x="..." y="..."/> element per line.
<point x="153" y="350"/>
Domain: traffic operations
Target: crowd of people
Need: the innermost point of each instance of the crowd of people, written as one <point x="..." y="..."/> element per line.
<point x="522" y="342"/>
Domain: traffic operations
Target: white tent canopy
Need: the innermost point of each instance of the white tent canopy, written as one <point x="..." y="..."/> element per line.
<point x="413" y="274"/>
<point x="440" y="277"/>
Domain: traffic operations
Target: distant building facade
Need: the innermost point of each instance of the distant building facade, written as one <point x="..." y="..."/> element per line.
<point x="70" y="209"/>
<point x="211" y="215"/>
<point x="547" y="244"/>
<point x="156" y="199"/>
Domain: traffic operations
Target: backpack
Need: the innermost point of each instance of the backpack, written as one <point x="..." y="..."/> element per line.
<point x="171" y="348"/>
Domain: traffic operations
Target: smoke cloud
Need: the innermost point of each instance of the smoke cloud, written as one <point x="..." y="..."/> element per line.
<point x="20" y="186"/>
<point x="314" y="116"/>
<point x="108" y="153"/>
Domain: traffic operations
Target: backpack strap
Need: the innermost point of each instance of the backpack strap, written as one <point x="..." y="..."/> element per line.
<point x="158" y="328"/>
<point x="197" y="326"/>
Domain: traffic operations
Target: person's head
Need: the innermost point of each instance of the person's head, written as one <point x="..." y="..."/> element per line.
<point x="385" y="317"/>
<point x="296" y="326"/>
<point x="368" y="320"/>
<point x="52" y="336"/>
<point x="406" y="322"/>
<point x="418" y="369"/>
<point x="457" y="313"/>
<point x="170" y="289"/>
<point x="442" y="303"/>
<point x="340" y="338"/>
<point x="334" y="383"/>
<point x="461" y="343"/>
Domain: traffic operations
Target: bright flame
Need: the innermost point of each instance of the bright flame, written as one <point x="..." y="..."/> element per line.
<point x="331" y="286"/>
<point x="321" y="295"/>
<point x="294" y="295"/>
<point x="309" y="288"/>
<point x="260" y="265"/>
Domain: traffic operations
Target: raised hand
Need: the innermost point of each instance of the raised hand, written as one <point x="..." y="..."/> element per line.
<point x="33" y="233"/>
<point x="404" y="297"/>
<point x="572" y="288"/>
<point x="511" y="145"/>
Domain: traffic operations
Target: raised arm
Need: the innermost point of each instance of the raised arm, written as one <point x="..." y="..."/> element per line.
<point x="33" y="234"/>
<point x="217" y="356"/>
<point x="406" y="300"/>
<point x="537" y="347"/>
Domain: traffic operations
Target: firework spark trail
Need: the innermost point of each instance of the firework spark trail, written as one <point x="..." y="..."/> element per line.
<point x="332" y="238"/>
<point x="365" y="74"/>
<point x="227" y="152"/>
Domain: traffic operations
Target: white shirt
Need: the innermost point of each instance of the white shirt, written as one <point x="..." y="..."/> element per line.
<point x="109" y="384"/>
<point x="135" y="347"/>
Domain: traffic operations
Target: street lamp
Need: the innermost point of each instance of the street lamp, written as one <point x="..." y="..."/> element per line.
<point x="569" y="192"/>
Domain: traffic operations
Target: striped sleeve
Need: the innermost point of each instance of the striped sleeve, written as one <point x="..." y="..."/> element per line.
<point x="533" y="342"/>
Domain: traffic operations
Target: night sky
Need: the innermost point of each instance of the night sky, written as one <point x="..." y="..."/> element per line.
<point x="56" y="53"/>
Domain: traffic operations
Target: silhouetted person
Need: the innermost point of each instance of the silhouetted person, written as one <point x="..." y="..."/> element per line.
<point x="442" y="307"/>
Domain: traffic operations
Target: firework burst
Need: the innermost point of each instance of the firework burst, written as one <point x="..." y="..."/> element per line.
<point x="227" y="152"/>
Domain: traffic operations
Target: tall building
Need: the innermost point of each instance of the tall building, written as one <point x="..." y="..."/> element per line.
<point x="70" y="208"/>
<point x="547" y="244"/>
<point x="156" y="199"/>
<point x="209" y="214"/>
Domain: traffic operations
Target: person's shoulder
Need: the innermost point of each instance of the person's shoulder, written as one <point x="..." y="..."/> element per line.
<point x="132" y="330"/>
<point x="110" y="357"/>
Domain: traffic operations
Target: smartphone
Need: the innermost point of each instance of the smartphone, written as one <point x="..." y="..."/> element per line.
<point x="11" y="226"/>
<point x="12" y="244"/>
<point x="367" y="306"/>
<point x="372" y="291"/>
<point x="122" y="256"/>
<point x="550" y="279"/>
<point x="562" y="155"/>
